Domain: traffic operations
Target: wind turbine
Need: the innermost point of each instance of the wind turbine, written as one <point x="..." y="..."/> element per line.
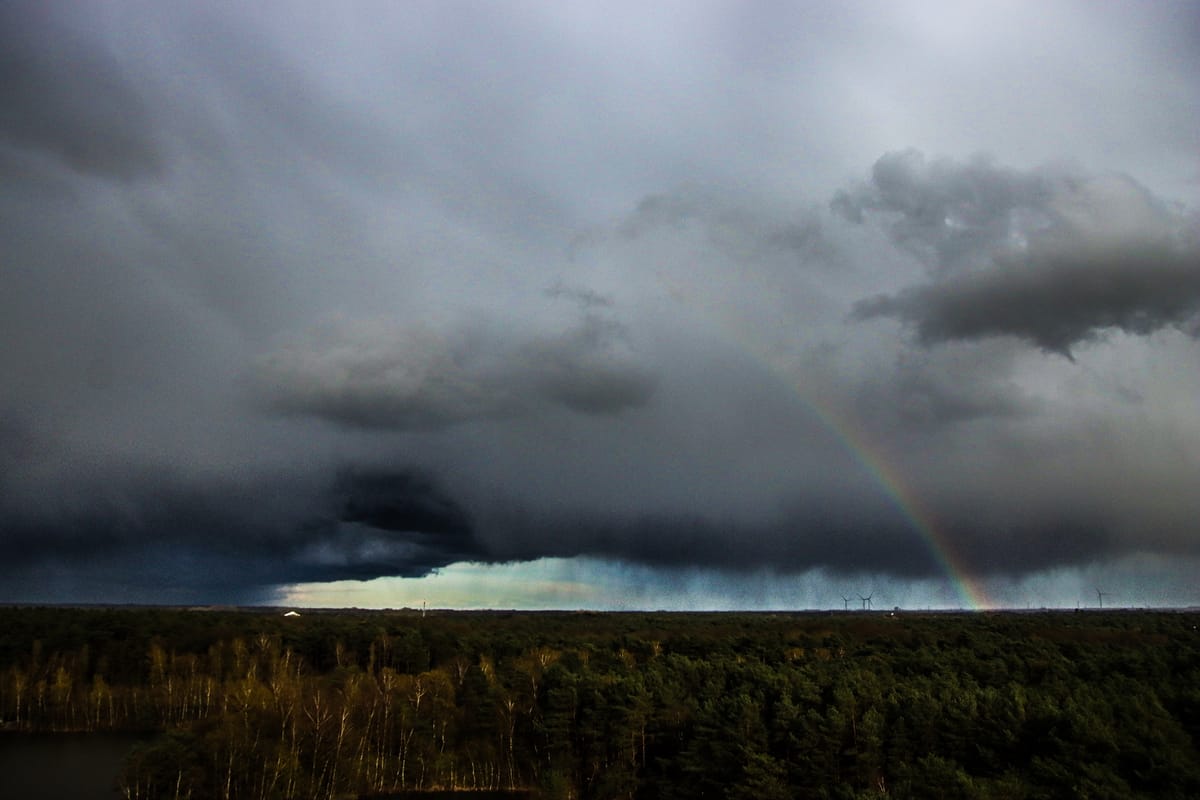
<point x="845" y="603"/>
<point x="866" y="601"/>
<point x="1100" y="596"/>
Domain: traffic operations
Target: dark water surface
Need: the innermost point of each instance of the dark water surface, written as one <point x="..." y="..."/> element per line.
<point x="62" y="766"/>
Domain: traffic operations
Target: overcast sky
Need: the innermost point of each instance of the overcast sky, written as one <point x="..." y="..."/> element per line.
<point x="707" y="304"/>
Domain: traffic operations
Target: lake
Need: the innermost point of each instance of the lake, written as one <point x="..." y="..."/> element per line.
<point x="54" y="766"/>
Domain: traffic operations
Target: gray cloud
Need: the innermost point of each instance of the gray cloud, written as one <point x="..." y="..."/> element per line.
<point x="734" y="225"/>
<point x="311" y="296"/>
<point x="155" y="536"/>
<point x="584" y="370"/>
<point x="65" y="95"/>
<point x="377" y="375"/>
<point x="927" y="389"/>
<point x="1054" y="260"/>
<point x="586" y="298"/>
<point x="1055" y="301"/>
<point x="948" y="214"/>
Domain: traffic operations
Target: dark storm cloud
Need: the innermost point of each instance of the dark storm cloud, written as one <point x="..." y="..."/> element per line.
<point x="1056" y="300"/>
<point x="385" y="521"/>
<point x="929" y="389"/>
<point x="583" y="370"/>
<point x="399" y="501"/>
<point x="382" y="376"/>
<point x="822" y="533"/>
<point x="1054" y="259"/>
<point x="148" y="534"/>
<point x="379" y="377"/>
<point x="300" y="295"/>
<point x="65" y="95"/>
<point x="871" y="535"/>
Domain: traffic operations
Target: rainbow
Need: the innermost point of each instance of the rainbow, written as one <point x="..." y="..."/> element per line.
<point x="879" y="467"/>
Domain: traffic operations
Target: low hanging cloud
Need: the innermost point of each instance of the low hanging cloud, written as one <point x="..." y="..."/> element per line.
<point x="378" y="375"/>
<point x="171" y="536"/>
<point x="1054" y="260"/>
<point x="389" y="521"/>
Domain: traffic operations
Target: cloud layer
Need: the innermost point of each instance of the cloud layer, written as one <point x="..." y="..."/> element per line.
<point x="379" y="376"/>
<point x="1054" y="259"/>
<point x="293" y="298"/>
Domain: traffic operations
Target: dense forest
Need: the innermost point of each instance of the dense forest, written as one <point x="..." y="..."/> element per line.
<point x="250" y="704"/>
